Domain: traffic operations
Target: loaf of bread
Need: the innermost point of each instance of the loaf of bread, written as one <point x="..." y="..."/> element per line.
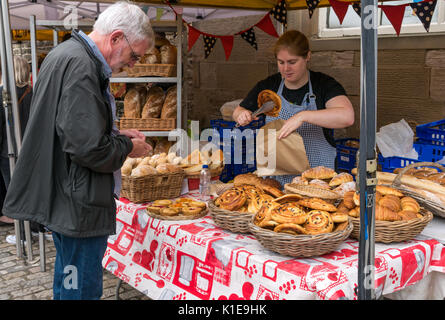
<point x="133" y="102"/>
<point x="169" y="106"/>
<point x="168" y="54"/>
<point x="151" y="57"/>
<point x="154" y="103"/>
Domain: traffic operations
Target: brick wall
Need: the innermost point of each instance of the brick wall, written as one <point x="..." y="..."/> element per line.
<point x="411" y="82"/>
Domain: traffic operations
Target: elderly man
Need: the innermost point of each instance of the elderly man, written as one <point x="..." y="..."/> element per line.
<point x="67" y="174"/>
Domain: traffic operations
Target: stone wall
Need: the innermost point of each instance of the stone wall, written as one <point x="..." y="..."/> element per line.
<point x="411" y="82"/>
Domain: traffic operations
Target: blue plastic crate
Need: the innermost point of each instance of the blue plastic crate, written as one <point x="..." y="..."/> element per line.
<point x="346" y="155"/>
<point x="433" y="132"/>
<point x="427" y="153"/>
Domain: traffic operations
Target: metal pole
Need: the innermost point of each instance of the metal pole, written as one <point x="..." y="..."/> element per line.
<point x="367" y="164"/>
<point x="10" y="102"/>
<point x="34" y="61"/>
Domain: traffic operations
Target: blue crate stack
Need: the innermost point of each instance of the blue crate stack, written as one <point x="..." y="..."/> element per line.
<point x="245" y="161"/>
<point x="346" y="155"/>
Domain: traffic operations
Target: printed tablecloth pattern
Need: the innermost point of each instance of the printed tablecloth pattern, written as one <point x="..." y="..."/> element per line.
<point x="195" y="259"/>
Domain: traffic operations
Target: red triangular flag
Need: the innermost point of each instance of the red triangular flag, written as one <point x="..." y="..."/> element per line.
<point x="227" y="42"/>
<point x="394" y="15"/>
<point x="266" y="25"/>
<point x="340" y="9"/>
<point x="193" y="35"/>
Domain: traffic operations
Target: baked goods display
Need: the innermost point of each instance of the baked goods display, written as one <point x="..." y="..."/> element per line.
<point x="193" y="163"/>
<point x="295" y="215"/>
<point x="243" y="198"/>
<point x="152" y="165"/>
<point x="426" y="173"/>
<point x="177" y="209"/>
<point x="269" y="95"/>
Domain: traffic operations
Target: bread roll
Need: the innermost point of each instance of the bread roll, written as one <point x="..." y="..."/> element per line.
<point x="154" y="103"/>
<point x="141" y="171"/>
<point x="170" y="104"/>
<point x="168" y="54"/>
<point x="162" y="145"/>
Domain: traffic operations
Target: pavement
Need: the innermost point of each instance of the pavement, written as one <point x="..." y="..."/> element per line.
<point x="23" y="280"/>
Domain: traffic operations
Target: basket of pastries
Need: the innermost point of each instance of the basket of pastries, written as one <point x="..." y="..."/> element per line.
<point x="398" y="217"/>
<point x="150" y="109"/>
<point x="179" y="209"/>
<point x="300" y="226"/>
<point x="424" y="181"/>
<point x="233" y="208"/>
<point x="152" y="178"/>
<point x="321" y="182"/>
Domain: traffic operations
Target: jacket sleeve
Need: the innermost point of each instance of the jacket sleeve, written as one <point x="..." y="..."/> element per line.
<point x="82" y="121"/>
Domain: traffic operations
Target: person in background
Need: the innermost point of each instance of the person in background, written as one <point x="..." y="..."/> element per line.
<point x="67" y="175"/>
<point x="313" y="103"/>
<point x="24" y="96"/>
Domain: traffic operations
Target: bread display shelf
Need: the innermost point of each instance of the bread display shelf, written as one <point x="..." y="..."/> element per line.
<point x="152" y="187"/>
<point x="157" y="69"/>
<point x="300" y="245"/>
<point x="148" y="124"/>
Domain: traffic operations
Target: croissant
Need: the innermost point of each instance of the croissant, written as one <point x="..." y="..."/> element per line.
<point x="348" y="200"/>
<point x="269" y="95"/>
<point x="410" y="204"/>
<point x="342" y="208"/>
<point x="391" y="202"/>
<point x="319" y="172"/>
<point x="407" y="215"/>
<point x="340" y="178"/>
<point x="384" y="190"/>
<point x="384" y="214"/>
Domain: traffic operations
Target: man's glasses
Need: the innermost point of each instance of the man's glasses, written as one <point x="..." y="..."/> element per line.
<point x="134" y="56"/>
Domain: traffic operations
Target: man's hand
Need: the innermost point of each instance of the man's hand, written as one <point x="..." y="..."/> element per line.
<point x="140" y="148"/>
<point x="133" y="133"/>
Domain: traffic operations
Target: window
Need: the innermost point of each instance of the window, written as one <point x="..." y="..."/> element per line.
<point x="329" y="25"/>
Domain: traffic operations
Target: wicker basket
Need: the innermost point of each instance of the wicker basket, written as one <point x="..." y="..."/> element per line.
<point x="300" y="245"/>
<point x="436" y="208"/>
<point x="157" y="70"/>
<point x="395" y="231"/>
<point x="152" y="187"/>
<point x="230" y="220"/>
<point x="311" y="191"/>
<point x="179" y="217"/>
<point x="148" y="124"/>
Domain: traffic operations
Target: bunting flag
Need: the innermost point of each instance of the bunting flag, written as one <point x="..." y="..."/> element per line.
<point x="312" y="5"/>
<point x="227" y="42"/>
<point x="249" y="36"/>
<point x="209" y="43"/>
<point x="340" y="8"/>
<point x="279" y="12"/>
<point x="193" y="35"/>
<point x="357" y="8"/>
<point x="395" y="16"/>
<point x="424" y="11"/>
<point x="267" y="26"/>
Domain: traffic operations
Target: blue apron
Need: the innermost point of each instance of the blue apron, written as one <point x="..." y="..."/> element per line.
<point x="318" y="150"/>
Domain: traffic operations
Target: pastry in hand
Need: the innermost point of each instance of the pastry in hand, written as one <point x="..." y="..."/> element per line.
<point x="319" y="172"/>
<point x="269" y="95"/>
<point x="318" y="222"/>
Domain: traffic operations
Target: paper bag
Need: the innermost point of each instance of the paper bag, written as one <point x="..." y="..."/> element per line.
<point x="279" y="157"/>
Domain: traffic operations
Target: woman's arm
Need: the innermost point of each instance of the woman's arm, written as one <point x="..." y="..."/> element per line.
<point x="338" y="114"/>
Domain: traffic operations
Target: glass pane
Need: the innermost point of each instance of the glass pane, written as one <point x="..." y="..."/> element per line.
<point x="351" y="20"/>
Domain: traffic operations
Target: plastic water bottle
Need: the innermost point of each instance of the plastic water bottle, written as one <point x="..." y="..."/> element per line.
<point x="204" y="183"/>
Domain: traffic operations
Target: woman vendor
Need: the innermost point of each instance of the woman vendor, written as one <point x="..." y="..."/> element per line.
<point x="312" y="103"/>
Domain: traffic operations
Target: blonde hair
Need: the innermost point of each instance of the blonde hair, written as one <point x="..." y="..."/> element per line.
<point x="21" y="71"/>
<point x="294" y="41"/>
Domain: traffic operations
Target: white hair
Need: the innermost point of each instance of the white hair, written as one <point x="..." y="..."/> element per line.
<point x="128" y="18"/>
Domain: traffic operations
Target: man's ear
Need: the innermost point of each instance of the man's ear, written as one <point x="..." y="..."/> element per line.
<point x="116" y="36"/>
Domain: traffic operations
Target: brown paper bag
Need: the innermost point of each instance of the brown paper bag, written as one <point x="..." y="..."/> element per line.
<point x="284" y="157"/>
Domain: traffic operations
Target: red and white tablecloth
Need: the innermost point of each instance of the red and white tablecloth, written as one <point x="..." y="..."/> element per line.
<point x="195" y="259"/>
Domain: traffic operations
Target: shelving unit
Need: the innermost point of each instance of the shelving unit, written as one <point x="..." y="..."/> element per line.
<point x="158" y="26"/>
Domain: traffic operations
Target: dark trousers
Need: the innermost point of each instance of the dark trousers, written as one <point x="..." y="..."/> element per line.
<point x="4" y="179"/>
<point x="78" y="272"/>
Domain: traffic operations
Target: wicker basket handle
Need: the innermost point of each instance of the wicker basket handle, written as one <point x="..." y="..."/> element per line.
<point x="397" y="181"/>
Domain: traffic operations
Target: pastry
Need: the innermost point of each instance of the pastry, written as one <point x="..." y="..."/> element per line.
<point x="169" y="211"/>
<point x="341" y="226"/>
<point x="232" y="199"/>
<point x="317" y="204"/>
<point x="348" y="199"/>
<point x="289" y="213"/>
<point x="272" y="182"/>
<point x="338" y="217"/>
<point x="355" y="212"/>
<point x="271" y="190"/>
<point x="319" y="172"/>
<point x="392" y="202"/>
<point x="318" y="221"/>
<point x="144" y="170"/>
<point x="384" y="214"/>
<point x="153" y="105"/>
<point x="165" y="202"/>
<point x="254" y="204"/>
<point x="384" y="190"/>
<point x="290" y="197"/>
<point x="269" y="95"/>
<point x="300" y="180"/>
<point x="341" y="208"/>
<point x="191" y="211"/>
<point x="247" y="178"/>
<point x="290" y="228"/>
<point x="126" y="169"/>
<point x="263" y="217"/>
<point x="320" y="184"/>
<point x="407" y="215"/>
<point x="345" y="187"/>
<point x="356" y="199"/>
<point x="170" y="104"/>
<point x="410" y="204"/>
<point x="341" y="178"/>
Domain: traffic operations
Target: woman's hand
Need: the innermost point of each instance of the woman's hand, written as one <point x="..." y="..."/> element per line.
<point x="290" y="125"/>
<point x="243" y="116"/>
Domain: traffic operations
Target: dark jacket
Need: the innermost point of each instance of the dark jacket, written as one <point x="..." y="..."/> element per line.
<point x="64" y="173"/>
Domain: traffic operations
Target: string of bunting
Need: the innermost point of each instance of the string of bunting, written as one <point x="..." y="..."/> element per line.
<point x="265" y="24"/>
<point x="424" y="10"/>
